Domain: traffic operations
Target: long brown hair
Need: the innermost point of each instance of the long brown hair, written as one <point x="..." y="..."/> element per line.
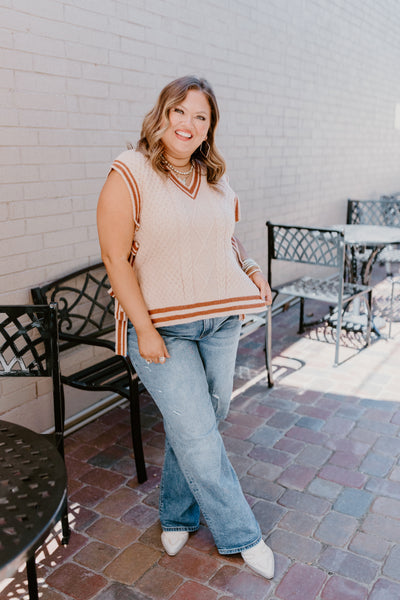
<point x="150" y="143"/>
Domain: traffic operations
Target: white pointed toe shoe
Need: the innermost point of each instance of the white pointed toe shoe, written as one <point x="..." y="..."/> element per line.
<point x="173" y="541"/>
<point x="261" y="559"/>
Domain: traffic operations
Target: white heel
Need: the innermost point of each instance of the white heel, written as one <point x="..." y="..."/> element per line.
<point x="173" y="541"/>
<point x="261" y="559"/>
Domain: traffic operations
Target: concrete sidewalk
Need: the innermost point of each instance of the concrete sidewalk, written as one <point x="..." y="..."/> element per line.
<point x="318" y="458"/>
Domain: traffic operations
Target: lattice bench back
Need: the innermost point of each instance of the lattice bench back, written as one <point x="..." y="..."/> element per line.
<point x="374" y="212"/>
<point x="28" y="341"/>
<point x="307" y="245"/>
<point x="85" y="309"/>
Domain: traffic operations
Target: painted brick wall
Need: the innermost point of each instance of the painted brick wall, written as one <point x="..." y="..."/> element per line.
<point x="307" y="91"/>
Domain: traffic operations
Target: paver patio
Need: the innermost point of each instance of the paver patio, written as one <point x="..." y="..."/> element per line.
<point x="318" y="458"/>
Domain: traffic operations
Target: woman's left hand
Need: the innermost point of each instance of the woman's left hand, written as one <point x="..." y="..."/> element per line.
<point x="262" y="284"/>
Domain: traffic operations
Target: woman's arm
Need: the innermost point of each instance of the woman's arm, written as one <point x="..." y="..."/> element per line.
<point x="116" y="230"/>
<point x="255" y="273"/>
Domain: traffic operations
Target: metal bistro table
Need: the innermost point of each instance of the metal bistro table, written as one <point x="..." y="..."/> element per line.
<point x="365" y="243"/>
<point x="372" y="237"/>
<point x="33" y="493"/>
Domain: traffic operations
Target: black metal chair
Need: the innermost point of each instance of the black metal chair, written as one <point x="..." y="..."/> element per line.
<point x="29" y="348"/>
<point x="320" y="247"/>
<point x="385" y="211"/>
<point x="86" y="317"/>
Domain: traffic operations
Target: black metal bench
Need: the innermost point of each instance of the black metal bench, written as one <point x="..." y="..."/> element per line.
<point x="386" y="212"/>
<point x="86" y="317"/>
<point x="320" y="247"/>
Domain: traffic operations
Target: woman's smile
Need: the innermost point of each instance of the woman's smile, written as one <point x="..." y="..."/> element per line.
<point x="184" y="134"/>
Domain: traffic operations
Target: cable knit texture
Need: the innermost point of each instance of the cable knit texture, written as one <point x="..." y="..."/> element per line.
<point x="184" y="259"/>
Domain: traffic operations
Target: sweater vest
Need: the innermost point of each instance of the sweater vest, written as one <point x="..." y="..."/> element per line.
<point x="184" y="253"/>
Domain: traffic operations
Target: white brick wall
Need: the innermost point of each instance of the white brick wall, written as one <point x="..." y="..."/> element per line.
<point x="307" y="91"/>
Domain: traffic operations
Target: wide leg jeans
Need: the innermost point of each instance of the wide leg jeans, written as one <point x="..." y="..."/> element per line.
<point x="192" y="389"/>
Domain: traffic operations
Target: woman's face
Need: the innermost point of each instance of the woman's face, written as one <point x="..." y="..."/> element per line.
<point x="188" y="126"/>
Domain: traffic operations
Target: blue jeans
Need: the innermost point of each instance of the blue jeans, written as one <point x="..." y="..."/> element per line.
<point x="192" y="389"/>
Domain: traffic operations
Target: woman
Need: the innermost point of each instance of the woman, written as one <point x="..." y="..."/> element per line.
<point x="180" y="279"/>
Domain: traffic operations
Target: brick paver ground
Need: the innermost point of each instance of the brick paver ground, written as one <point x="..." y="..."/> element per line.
<point x="318" y="457"/>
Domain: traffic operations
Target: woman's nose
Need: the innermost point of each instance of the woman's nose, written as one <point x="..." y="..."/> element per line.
<point x="187" y="119"/>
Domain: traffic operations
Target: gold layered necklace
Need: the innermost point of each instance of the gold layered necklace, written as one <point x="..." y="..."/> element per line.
<point x="181" y="175"/>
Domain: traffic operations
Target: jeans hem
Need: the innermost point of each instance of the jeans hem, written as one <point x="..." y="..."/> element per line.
<point x="188" y="529"/>
<point x="240" y="548"/>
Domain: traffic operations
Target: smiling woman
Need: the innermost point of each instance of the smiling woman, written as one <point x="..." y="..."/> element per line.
<point x="166" y="218"/>
<point x="177" y="99"/>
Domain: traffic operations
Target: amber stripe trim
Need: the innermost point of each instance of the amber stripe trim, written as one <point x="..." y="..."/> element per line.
<point x="199" y="313"/>
<point x="125" y="171"/>
<point x="121" y="330"/>
<point x="133" y="186"/>
<point x="237" y="210"/>
<point x="194" y="188"/>
<point x="130" y="176"/>
<point x="199" y="304"/>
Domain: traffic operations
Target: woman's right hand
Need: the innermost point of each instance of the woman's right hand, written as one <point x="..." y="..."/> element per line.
<point x="152" y="346"/>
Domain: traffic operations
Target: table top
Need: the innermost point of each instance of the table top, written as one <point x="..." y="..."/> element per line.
<point x="33" y="489"/>
<point x="370" y="235"/>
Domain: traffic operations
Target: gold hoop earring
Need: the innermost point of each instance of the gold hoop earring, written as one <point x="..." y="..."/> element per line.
<point x="205" y="154"/>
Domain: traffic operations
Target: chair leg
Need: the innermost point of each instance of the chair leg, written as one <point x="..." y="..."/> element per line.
<point x="136" y="432"/>
<point x="338" y="333"/>
<point x="301" y="317"/>
<point x="268" y="345"/>
<point x="59" y="440"/>
<point x="394" y="282"/>
<point x="59" y="420"/>
<point x="32" y="578"/>
<point x="66" y="531"/>
<point x="369" y="318"/>
<point x="391" y="312"/>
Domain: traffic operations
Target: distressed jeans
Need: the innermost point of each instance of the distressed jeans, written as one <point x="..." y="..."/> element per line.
<point x="192" y="389"/>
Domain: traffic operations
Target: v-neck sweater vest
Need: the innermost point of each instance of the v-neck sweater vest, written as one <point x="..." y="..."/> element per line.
<point x="184" y="255"/>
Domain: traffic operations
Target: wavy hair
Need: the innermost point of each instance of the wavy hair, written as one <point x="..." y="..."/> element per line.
<point x="150" y="143"/>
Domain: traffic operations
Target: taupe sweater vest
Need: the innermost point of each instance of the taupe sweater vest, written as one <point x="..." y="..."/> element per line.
<point x="184" y="255"/>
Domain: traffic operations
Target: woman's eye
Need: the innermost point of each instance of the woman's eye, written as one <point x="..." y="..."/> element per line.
<point x="178" y="110"/>
<point x="201" y="118"/>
